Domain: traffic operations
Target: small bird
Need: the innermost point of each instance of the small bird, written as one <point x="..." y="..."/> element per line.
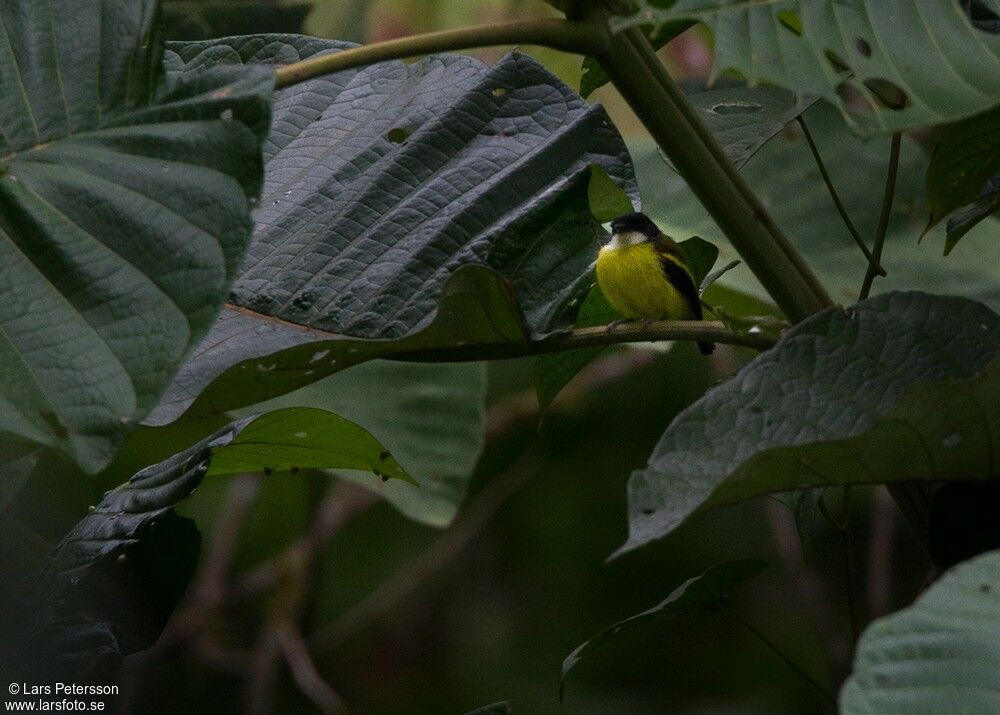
<point x="643" y="275"/>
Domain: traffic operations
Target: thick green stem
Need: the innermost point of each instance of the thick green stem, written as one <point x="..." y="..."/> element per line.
<point x="693" y="330"/>
<point x="570" y="36"/>
<point x="658" y="101"/>
<point x="883" y="221"/>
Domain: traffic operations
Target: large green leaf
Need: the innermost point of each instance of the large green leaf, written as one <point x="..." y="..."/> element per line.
<point x="784" y="175"/>
<point x="889" y="65"/>
<point x="709" y="591"/>
<point x="430" y="416"/>
<point x="940" y="655"/>
<point x="905" y="386"/>
<point x="477" y="308"/>
<point x="382" y="182"/>
<point x="123" y="216"/>
<point x="86" y="605"/>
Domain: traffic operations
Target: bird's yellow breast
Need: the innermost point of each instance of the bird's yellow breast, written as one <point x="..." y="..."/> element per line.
<point x="633" y="281"/>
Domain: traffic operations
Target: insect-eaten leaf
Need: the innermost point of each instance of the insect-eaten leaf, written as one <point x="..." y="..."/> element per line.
<point x="918" y="371"/>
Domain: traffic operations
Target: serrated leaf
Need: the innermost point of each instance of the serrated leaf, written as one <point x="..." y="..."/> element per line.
<point x="784" y="175"/>
<point x="967" y="154"/>
<point x="888" y="66"/>
<point x="357" y="233"/>
<point x="123" y="216"/>
<point x="911" y="370"/>
<point x="939" y="655"/>
<point x="708" y="592"/>
<point x="430" y="416"/>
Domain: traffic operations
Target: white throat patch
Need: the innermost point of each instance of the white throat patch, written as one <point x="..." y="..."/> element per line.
<point x="627" y="238"/>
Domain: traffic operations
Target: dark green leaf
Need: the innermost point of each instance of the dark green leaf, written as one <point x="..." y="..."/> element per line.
<point x="708" y="592"/>
<point x="430" y="416"/>
<point x="501" y="708"/>
<point x="886" y="70"/>
<point x="700" y="257"/>
<point x="357" y="234"/>
<point x="785" y="176"/>
<point x="476" y="308"/>
<point x="743" y="118"/>
<point x="964" y="220"/>
<point x="553" y="371"/>
<point x="915" y="371"/>
<point x="594" y="77"/>
<point x="123" y="216"/>
<point x="939" y="655"/>
<point x="966" y="156"/>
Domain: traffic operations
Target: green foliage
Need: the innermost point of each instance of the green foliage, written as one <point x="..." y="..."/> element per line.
<point x="605" y="198"/>
<point x="916" y="371"/>
<point x="430" y="416"/>
<point x="710" y="591"/>
<point x="124" y="216"/>
<point x="888" y="66"/>
<point x="594" y="77"/>
<point x="743" y="118"/>
<point x="477" y="308"/>
<point x="784" y="175"/>
<point x="203" y="19"/>
<point x="938" y="655"/>
<point x="966" y="156"/>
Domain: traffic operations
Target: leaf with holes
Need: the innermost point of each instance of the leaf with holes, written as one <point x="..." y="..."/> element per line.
<point x="123" y="217"/>
<point x="938" y="655"/>
<point x="917" y="371"/>
<point x="381" y="183"/>
<point x="708" y="592"/>
<point x="889" y="66"/>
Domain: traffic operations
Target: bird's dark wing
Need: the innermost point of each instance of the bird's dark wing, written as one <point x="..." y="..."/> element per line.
<point x="673" y="264"/>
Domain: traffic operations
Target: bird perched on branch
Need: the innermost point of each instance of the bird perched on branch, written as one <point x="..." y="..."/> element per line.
<point x="643" y="275"/>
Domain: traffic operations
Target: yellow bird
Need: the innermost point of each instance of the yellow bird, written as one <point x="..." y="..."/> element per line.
<point x="643" y="275"/>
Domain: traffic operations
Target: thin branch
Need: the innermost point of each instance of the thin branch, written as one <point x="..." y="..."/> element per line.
<point x="836" y="198"/>
<point x="577" y="37"/>
<point x="646" y="332"/>
<point x="303" y="670"/>
<point x="883" y="221"/>
<point x="778" y="652"/>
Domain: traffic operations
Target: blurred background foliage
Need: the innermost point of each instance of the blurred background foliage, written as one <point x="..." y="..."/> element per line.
<point x="487" y="609"/>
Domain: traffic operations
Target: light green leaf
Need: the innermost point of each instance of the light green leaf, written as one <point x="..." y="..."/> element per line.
<point x="785" y="176"/>
<point x="123" y="216"/>
<point x="430" y="416"/>
<point x="890" y="65"/>
<point x="911" y="370"/>
<point x="710" y="591"/>
<point x="607" y="200"/>
<point x="940" y="655"/>
<point x="967" y="154"/>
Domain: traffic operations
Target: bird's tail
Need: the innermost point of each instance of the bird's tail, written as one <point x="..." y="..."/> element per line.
<point x="706" y="348"/>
